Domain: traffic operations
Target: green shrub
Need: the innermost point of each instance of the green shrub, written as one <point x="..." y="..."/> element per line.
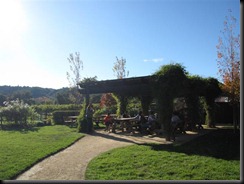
<point x="49" y="108"/>
<point x="82" y="125"/>
<point x="18" y="112"/>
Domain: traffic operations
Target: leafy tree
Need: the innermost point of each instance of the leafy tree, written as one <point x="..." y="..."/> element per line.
<point x="22" y="95"/>
<point x="120" y="73"/>
<point x="119" y="68"/>
<point x="107" y="100"/>
<point x="228" y="52"/>
<point x="44" y="100"/>
<point x="63" y="98"/>
<point x="76" y="64"/>
<point x="88" y="79"/>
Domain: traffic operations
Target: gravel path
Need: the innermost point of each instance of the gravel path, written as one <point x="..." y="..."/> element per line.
<point x="71" y="163"/>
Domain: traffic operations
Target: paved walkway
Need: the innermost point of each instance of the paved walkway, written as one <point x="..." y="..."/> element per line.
<point x="71" y="163"/>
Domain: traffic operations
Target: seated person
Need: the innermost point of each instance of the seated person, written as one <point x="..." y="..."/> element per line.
<point x="141" y="120"/>
<point x="175" y="121"/>
<point x="151" y="118"/>
<point x="125" y="115"/>
<point x="108" y="122"/>
<point x="152" y="121"/>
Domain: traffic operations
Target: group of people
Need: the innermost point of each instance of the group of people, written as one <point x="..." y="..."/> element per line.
<point x="149" y="125"/>
<point x="145" y="125"/>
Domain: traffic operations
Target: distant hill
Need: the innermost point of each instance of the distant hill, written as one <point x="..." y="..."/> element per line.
<point x="36" y="92"/>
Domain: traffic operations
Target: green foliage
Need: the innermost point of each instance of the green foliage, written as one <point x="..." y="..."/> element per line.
<point x="49" y="108"/>
<point x="122" y="102"/>
<point x="82" y="124"/>
<point x="103" y="111"/>
<point x="170" y="79"/>
<point x="171" y="70"/>
<point x="88" y="80"/>
<point x="195" y="85"/>
<point x="18" y="112"/>
<point x="2" y="99"/>
<point x="212" y="90"/>
<point x="22" y="148"/>
<point x="35" y="93"/>
<point x="170" y="82"/>
<point x="63" y="98"/>
<point x="116" y="97"/>
<point x="134" y="106"/>
<point x="100" y="112"/>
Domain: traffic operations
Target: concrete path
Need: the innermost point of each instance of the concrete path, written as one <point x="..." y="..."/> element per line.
<point x="71" y="163"/>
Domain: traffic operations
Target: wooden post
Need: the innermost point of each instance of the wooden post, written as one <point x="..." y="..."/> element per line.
<point x="145" y="102"/>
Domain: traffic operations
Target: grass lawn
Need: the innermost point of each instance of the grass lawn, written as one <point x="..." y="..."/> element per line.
<point x="21" y="148"/>
<point x="215" y="156"/>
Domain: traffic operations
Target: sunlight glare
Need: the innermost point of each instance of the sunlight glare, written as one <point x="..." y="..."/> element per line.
<point x="12" y="22"/>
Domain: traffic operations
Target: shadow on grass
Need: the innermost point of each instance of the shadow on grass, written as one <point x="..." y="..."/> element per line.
<point x="221" y="144"/>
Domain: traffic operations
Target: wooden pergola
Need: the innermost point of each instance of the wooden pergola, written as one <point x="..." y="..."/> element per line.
<point x="134" y="86"/>
<point x="170" y="82"/>
<point x="140" y="87"/>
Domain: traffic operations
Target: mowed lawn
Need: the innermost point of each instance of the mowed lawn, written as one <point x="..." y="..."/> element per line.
<point x="21" y="148"/>
<point x="214" y="156"/>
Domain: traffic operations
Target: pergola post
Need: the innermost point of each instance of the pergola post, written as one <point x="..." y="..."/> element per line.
<point x="87" y="98"/>
<point x="145" y="103"/>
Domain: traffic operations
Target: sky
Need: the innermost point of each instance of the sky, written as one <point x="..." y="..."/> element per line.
<point x="37" y="37"/>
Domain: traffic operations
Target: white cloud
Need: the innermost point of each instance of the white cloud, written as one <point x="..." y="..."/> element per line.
<point x="154" y="60"/>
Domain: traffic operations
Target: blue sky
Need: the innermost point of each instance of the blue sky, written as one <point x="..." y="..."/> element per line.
<point x="37" y="36"/>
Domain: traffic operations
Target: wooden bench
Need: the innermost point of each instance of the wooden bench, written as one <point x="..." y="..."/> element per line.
<point x="70" y="120"/>
<point x="100" y="119"/>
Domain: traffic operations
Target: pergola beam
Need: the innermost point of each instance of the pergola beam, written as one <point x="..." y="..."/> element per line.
<point x="135" y="86"/>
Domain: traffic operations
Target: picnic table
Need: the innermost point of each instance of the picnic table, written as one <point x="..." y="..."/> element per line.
<point x="70" y="120"/>
<point x="73" y="118"/>
<point x="125" y="123"/>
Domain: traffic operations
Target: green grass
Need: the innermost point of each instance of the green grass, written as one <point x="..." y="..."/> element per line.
<point x="22" y="148"/>
<point x="215" y="156"/>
